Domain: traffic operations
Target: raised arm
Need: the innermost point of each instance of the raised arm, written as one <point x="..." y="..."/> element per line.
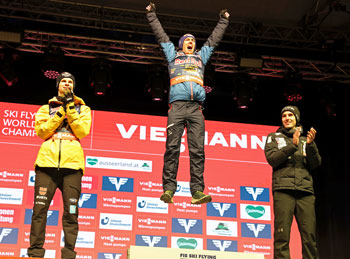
<point x="153" y="21"/>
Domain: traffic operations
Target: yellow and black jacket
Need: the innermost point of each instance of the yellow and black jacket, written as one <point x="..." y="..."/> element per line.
<point x="62" y="131"/>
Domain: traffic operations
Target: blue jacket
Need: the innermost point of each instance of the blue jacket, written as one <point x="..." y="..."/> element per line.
<point x="186" y="72"/>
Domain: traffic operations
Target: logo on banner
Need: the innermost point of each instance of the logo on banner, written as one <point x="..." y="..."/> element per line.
<point x="88" y="201"/>
<point x="8" y="235"/>
<point x="11" y="196"/>
<point x="9" y="215"/>
<point x="109" y="256"/>
<point x="189" y="226"/>
<point x="119" y="184"/>
<point x="152" y="205"/>
<point x="187" y="243"/>
<point x="219" y="209"/>
<point x="51" y="218"/>
<point x="115" y="221"/>
<point x="89" y="182"/>
<point x="255" y="194"/>
<point x="119" y="164"/>
<point x="48" y="253"/>
<point x="10" y="177"/>
<point x="221" y="228"/>
<point x="85" y="239"/>
<point x="256" y="230"/>
<point x="151" y="241"/>
<point x="256" y="212"/>
<point x="222" y="245"/>
<point x="220" y="191"/>
<point x="183" y="189"/>
<point x="151" y="223"/>
<point x="31" y="178"/>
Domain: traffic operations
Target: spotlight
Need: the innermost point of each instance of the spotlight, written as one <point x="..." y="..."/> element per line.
<point x="293" y="91"/>
<point x="101" y="78"/>
<point x="243" y="93"/>
<point x="53" y="62"/>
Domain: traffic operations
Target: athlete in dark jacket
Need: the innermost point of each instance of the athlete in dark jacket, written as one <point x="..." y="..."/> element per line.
<point x="292" y="157"/>
<point x="186" y="96"/>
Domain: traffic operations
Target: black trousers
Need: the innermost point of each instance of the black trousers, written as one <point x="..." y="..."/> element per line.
<point x="47" y="180"/>
<point x="180" y="115"/>
<point x="287" y="203"/>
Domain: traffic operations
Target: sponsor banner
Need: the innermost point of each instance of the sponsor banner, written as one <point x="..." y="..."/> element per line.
<point x="187" y="242"/>
<point x="151" y="205"/>
<point x="113" y="239"/>
<point x="11" y="196"/>
<point x="51" y="217"/>
<point x="249" y="193"/>
<point x="87" y="219"/>
<point x="52" y="236"/>
<point x="257" y="248"/>
<point x="255" y="211"/>
<point x="151" y="241"/>
<point x="118" y="184"/>
<point x="8" y="235"/>
<point x="219" y="209"/>
<point x="11" y="178"/>
<point x="119" y="164"/>
<point x="112" y="201"/>
<point x="222" y="228"/>
<point x="152" y="223"/>
<point x="222" y="191"/>
<point x="186" y="208"/>
<point x="115" y="221"/>
<point x="49" y="253"/>
<point x="188" y="226"/>
<point x="109" y="256"/>
<point x="89" y="182"/>
<point x="150" y="187"/>
<point x="7" y="252"/>
<point x="9" y="215"/>
<point x="31" y="178"/>
<point x="87" y="201"/>
<point x="255" y="230"/>
<point x="183" y="189"/>
<point x="85" y="239"/>
<point x="222" y="245"/>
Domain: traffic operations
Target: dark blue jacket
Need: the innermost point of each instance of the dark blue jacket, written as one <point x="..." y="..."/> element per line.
<point x="186" y="72"/>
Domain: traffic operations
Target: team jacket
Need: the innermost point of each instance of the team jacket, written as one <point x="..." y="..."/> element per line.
<point x="291" y="164"/>
<point x="61" y="132"/>
<point x="186" y="72"/>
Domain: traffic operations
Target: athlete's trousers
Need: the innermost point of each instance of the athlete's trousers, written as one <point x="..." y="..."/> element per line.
<point x="287" y="203"/>
<point x="46" y="183"/>
<point x="181" y="115"/>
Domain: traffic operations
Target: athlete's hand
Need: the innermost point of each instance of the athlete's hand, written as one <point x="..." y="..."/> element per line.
<point x="311" y="134"/>
<point x="224" y="14"/>
<point x="296" y="136"/>
<point x="151" y="7"/>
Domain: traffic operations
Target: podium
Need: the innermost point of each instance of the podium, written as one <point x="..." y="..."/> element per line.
<point x="141" y="252"/>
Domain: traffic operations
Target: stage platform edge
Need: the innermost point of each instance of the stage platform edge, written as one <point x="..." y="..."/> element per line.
<point x="141" y="252"/>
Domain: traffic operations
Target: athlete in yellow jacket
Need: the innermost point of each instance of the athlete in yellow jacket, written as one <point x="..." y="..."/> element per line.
<point x="60" y="163"/>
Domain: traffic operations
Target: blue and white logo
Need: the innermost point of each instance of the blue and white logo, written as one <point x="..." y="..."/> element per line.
<point x="8" y="235"/>
<point x="31" y="178"/>
<point x="151" y="205"/>
<point x="152" y="241"/>
<point x="119" y="184"/>
<point x="256" y="230"/>
<point x="51" y="220"/>
<point x="87" y="201"/>
<point x="183" y="189"/>
<point x="192" y="226"/>
<point x="115" y="221"/>
<point x="222" y="245"/>
<point x="219" y="209"/>
<point x="109" y="256"/>
<point x="254" y="194"/>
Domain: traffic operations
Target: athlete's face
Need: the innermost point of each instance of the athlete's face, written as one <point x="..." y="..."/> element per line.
<point x="288" y="120"/>
<point x="65" y="85"/>
<point x="189" y="45"/>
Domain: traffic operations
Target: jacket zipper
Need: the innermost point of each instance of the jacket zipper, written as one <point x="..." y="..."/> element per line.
<point x="59" y="155"/>
<point x="191" y="91"/>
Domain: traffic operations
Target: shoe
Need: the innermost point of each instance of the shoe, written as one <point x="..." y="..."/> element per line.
<point x="167" y="197"/>
<point x="198" y="198"/>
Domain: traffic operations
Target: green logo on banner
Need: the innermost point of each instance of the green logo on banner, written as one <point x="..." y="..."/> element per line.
<point x="187" y="243"/>
<point x="145" y="165"/>
<point x="255" y="211"/>
<point x="92" y="161"/>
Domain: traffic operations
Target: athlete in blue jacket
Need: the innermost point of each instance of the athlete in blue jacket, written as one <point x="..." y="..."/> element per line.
<point x="186" y="96"/>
